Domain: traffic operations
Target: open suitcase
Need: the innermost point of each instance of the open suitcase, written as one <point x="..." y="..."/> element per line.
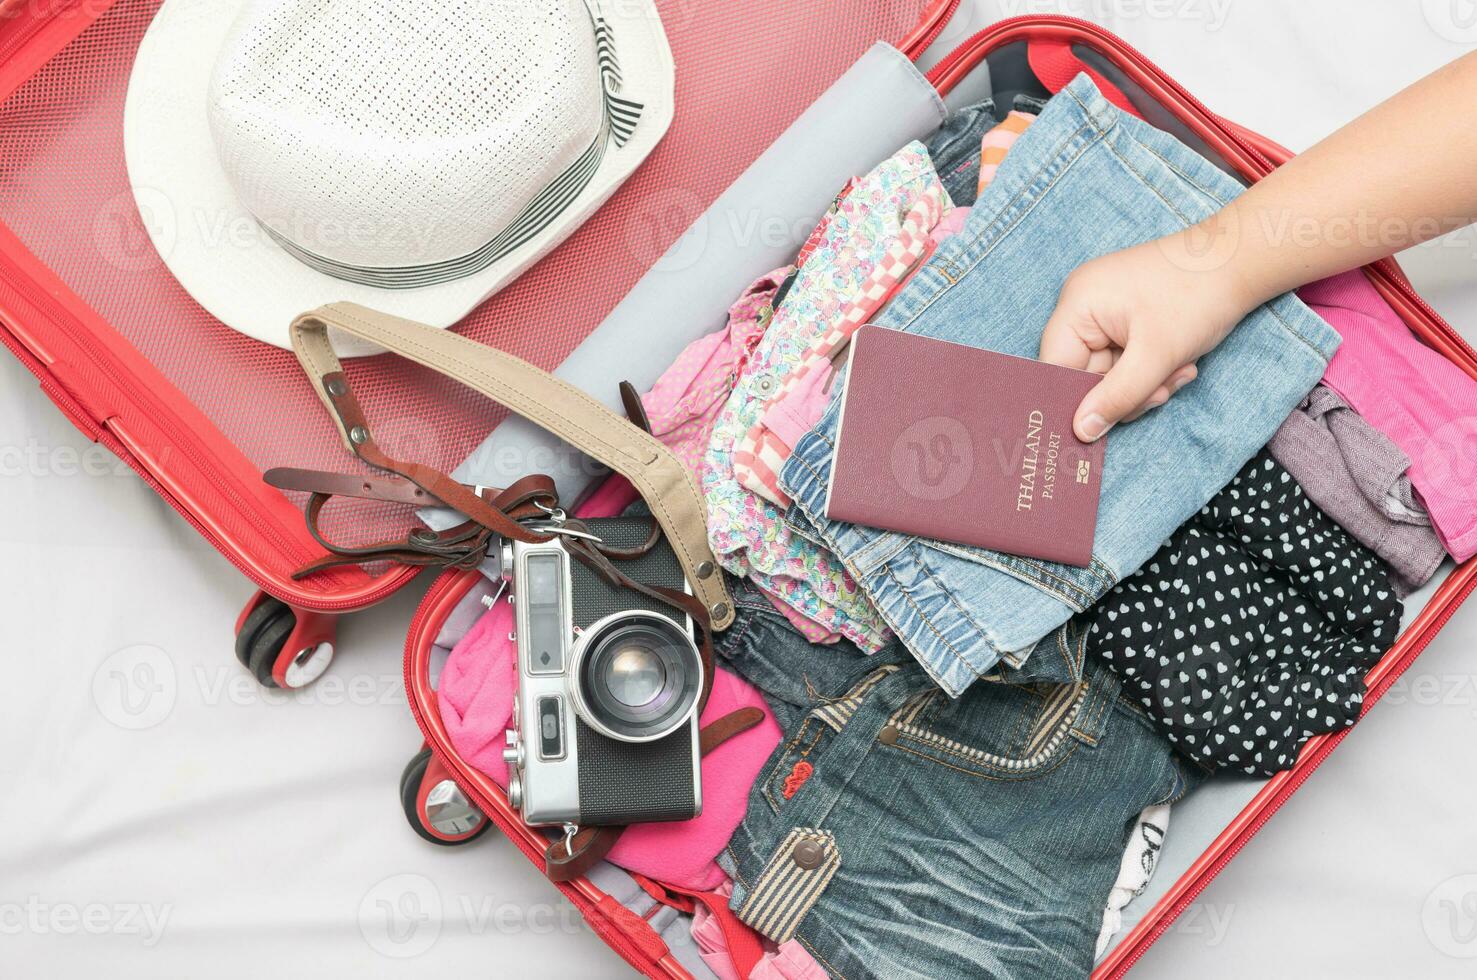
<point x="83" y="298"/>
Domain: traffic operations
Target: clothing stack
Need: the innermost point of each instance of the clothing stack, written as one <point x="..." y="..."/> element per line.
<point x="972" y="755"/>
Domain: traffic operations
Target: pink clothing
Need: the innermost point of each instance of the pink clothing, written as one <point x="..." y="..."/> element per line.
<point x="476" y="700"/>
<point x="1422" y="401"/>
<point x="788" y="961"/>
<point x="685" y="401"/>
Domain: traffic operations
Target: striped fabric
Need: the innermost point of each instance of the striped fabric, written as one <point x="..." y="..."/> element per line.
<point x="837" y="713"/>
<point x="760" y="454"/>
<point x="997" y="143"/>
<point x="786" y="891"/>
<point x="1053" y="726"/>
<point x="619" y="123"/>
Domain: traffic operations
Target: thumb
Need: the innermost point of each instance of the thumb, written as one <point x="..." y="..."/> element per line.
<point x="1123" y="390"/>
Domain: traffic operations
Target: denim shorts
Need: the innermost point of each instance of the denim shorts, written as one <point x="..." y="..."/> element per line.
<point x="897" y="832"/>
<point x="1086" y="179"/>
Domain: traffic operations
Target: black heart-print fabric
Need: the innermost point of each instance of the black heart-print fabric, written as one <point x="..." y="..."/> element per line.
<point x="1252" y="628"/>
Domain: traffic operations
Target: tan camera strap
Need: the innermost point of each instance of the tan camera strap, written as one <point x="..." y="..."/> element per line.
<point x="656" y="473"/>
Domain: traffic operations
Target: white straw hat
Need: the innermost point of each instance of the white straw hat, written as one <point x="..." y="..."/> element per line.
<point x="406" y="155"/>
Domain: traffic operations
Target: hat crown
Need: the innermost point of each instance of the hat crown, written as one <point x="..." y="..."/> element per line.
<point x="391" y="133"/>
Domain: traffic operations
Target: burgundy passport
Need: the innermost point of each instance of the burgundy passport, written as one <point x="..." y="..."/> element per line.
<point x="958" y="444"/>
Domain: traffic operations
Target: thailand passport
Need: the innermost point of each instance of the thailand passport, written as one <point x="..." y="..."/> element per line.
<point x="958" y="444"/>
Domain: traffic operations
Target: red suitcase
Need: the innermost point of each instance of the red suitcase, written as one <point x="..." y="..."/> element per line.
<point x="1059" y="48"/>
<point x="138" y="367"/>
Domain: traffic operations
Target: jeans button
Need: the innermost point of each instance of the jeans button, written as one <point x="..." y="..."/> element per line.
<point x="809" y="854"/>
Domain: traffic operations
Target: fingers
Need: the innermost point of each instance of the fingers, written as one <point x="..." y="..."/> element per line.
<point x="1062" y="344"/>
<point x="1141" y="373"/>
<point x="1166" y="391"/>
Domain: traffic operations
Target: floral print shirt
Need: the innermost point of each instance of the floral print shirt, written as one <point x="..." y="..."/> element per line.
<point x="747" y="532"/>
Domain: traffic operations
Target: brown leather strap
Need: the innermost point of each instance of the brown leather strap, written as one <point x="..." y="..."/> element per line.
<point x="635" y="408"/>
<point x="463" y="546"/>
<point x="591" y="844"/>
<point x="566" y="862"/>
<point x="657" y="474"/>
<point x="720" y="730"/>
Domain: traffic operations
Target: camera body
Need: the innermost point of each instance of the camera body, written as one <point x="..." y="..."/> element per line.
<point x="605" y="720"/>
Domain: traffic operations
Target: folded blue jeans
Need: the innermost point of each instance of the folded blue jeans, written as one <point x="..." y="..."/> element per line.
<point x="899" y="833"/>
<point x="1085" y="180"/>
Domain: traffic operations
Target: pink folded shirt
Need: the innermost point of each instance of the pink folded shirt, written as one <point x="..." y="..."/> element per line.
<point x="685" y="401"/>
<point x="1422" y="401"/>
<point x="476" y="699"/>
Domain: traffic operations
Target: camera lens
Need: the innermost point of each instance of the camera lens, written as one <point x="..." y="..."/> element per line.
<point x="636" y="676"/>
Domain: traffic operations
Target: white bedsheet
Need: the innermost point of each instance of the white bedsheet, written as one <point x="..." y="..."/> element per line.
<point x="160" y="816"/>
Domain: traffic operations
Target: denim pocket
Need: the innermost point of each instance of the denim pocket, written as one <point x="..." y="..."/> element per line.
<point x="797" y="760"/>
<point x="998" y="730"/>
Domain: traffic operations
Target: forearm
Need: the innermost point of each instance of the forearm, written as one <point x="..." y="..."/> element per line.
<point x="1403" y="173"/>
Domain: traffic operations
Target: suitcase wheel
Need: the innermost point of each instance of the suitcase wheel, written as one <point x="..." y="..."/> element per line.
<point x="435" y="806"/>
<point x="281" y="646"/>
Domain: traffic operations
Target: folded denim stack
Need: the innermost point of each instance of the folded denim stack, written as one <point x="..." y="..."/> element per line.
<point x="1084" y="164"/>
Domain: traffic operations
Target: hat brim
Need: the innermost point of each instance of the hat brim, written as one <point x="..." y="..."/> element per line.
<point x="233" y="268"/>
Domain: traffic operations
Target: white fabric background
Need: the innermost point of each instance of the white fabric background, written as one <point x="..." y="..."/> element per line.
<point x="268" y="838"/>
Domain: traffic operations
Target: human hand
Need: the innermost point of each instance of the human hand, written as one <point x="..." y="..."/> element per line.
<point x="1141" y="318"/>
